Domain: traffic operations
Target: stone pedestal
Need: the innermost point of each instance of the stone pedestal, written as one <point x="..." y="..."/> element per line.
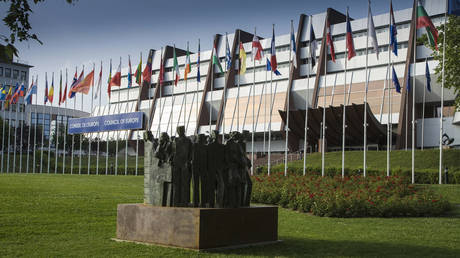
<point x="197" y="228"/>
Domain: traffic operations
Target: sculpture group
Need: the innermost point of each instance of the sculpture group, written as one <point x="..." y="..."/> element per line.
<point x="198" y="171"/>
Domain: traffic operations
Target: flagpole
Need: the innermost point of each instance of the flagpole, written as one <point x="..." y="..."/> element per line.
<point x="9" y="133"/>
<point x="126" y="111"/>
<point x="56" y="154"/>
<point x="253" y="106"/>
<point x="108" y="133"/>
<point x="90" y="135"/>
<point x="30" y="126"/>
<point x="170" y="120"/>
<point x="99" y="135"/>
<point x="225" y="87"/>
<point x="64" y="150"/>
<point x="118" y="132"/>
<point x="43" y="127"/>
<point x="238" y="92"/>
<point x="73" y="135"/>
<point x="390" y="125"/>
<point x="423" y="109"/>
<point x="288" y="92"/>
<point x="270" y="117"/>
<point x="390" y="74"/>
<point x="307" y="100"/>
<point x="15" y="132"/>
<point x="3" y="132"/>
<point x="81" y="135"/>
<point x="198" y="82"/>
<point x="22" y="127"/>
<point x="137" y="132"/>
<point x="365" y="94"/>
<point x="185" y="95"/>
<point x="344" y="107"/>
<point x="441" y="125"/>
<point x="270" y="124"/>
<point x="413" y="107"/>
<point x="323" y="128"/>
<point x="35" y="125"/>
<point x="159" y="88"/>
<point x="265" y="107"/>
<point x="49" y="136"/>
<point x="212" y="87"/>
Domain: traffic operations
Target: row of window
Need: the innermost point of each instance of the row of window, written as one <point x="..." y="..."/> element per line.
<point x="6" y="72"/>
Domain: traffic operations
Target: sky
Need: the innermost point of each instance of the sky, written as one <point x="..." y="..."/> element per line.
<point x="90" y="31"/>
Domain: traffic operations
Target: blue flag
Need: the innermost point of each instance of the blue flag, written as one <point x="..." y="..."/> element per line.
<point x="228" y="58"/>
<point x="396" y="81"/>
<point x="313" y="45"/>
<point x="428" y="77"/>
<point x="294" y="56"/>
<point x="3" y="92"/>
<point x="269" y="68"/>
<point x="393" y="32"/>
<point x="198" y="76"/>
<point x="454" y="7"/>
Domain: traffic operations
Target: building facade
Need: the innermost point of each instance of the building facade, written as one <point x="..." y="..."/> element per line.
<point x="228" y="101"/>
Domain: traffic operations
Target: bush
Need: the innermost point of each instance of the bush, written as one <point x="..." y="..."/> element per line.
<point x="352" y="196"/>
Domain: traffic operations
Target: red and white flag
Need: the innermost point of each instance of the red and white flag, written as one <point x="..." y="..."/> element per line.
<point x="329" y="41"/>
<point x="257" y="50"/>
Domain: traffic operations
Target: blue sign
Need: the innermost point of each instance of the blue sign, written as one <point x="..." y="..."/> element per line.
<point x="128" y="121"/>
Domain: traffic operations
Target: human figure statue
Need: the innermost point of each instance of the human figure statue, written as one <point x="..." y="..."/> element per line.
<point x="246" y="166"/>
<point x="181" y="169"/>
<point x="199" y="169"/>
<point x="215" y="179"/>
<point x="234" y="167"/>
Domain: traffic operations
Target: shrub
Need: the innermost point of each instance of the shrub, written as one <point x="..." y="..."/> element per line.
<point x="352" y="196"/>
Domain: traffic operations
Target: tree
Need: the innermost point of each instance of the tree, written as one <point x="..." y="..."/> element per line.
<point x="452" y="65"/>
<point x="17" y="20"/>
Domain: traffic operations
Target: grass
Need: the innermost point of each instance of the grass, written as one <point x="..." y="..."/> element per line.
<point x="71" y="215"/>
<point x="377" y="160"/>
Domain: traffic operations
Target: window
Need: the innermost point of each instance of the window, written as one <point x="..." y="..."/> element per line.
<point x="1" y="71"/>
<point x="23" y="75"/>
<point x="8" y="72"/>
<point x="15" y="74"/>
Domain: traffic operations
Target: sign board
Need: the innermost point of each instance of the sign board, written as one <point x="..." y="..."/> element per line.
<point x="127" y="121"/>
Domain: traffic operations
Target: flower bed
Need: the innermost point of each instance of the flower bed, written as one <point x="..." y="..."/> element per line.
<point x="354" y="196"/>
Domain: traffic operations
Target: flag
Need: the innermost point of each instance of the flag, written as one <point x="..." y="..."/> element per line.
<point x="454" y="7"/>
<point x="147" y="73"/>
<point x="269" y="68"/>
<point x="51" y="92"/>
<point x="428" y="77"/>
<point x="99" y="82"/>
<point x="242" y="57"/>
<point x="115" y="80"/>
<point x="64" y="95"/>
<point x="371" y="31"/>
<point x="313" y="44"/>
<point x="257" y="50"/>
<point x="84" y="85"/>
<point x="393" y="32"/>
<point x="138" y="73"/>
<point x="60" y="90"/>
<point x="215" y="58"/>
<point x="176" y="67"/>
<point x="46" y="89"/>
<point x="187" y="64"/>
<point x="130" y="75"/>
<point x="329" y="40"/>
<point x="198" y="78"/>
<point x="75" y="81"/>
<point x="424" y="21"/>
<point x="228" y="57"/>
<point x="350" y="45"/>
<point x="396" y="81"/>
<point x="408" y="79"/>
<point x="273" y="63"/>
<point x="293" y="47"/>
<point x="3" y="92"/>
<point x="18" y="93"/>
<point x="8" y="97"/>
<point x="31" y="90"/>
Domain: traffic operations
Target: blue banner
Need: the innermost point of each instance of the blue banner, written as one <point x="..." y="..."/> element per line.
<point x="128" y="121"/>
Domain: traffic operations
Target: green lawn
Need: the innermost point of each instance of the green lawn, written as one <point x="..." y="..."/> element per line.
<point x="71" y="215"/>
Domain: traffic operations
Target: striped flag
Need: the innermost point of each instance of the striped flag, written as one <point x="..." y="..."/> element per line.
<point x="269" y="68"/>
<point x="51" y="92"/>
<point x="329" y="40"/>
<point x="350" y="44"/>
<point x="64" y="95"/>
<point x="371" y="31"/>
<point x="215" y="58"/>
<point x="198" y="76"/>
<point x="99" y="83"/>
<point x="187" y="64"/>
<point x="130" y="75"/>
<point x="393" y="32"/>
<point x="46" y="89"/>
<point x="273" y="63"/>
<point x="257" y="50"/>
<point x="176" y="68"/>
<point x="32" y="90"/>
<point x="138" y="73"/>
<point x="60" y="90"/>
<point x="228" y="57"/>
<point x="424" y="21"/>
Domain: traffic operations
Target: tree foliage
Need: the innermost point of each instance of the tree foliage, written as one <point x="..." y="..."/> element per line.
<point x="452" y="45"/>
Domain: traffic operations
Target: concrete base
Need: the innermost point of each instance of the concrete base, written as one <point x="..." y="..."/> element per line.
<point x="197" y="228"/>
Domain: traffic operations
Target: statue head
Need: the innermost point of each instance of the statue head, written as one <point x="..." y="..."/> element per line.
<point x="164" y="137"/>
<point x="213" y="136"/>
<point x="234" y="136"/>
<point x="148" y="136"/>
<point x="181" y="131"/>
<point x="201" y="138"/>
<point x="245" y="135"/>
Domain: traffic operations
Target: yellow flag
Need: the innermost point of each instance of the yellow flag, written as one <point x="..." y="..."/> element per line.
<point x="243" y="59"/>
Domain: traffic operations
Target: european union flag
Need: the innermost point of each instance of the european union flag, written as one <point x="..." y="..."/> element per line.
<point x="454" y="7"/>
<point x="396" y="81"/>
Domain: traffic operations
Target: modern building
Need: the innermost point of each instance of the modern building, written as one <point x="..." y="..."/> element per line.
<point x="227" y="101"/>
<point x="46" y="116"/>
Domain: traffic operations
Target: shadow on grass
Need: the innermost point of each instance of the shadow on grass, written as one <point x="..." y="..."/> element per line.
<point x="296" y="247"/>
